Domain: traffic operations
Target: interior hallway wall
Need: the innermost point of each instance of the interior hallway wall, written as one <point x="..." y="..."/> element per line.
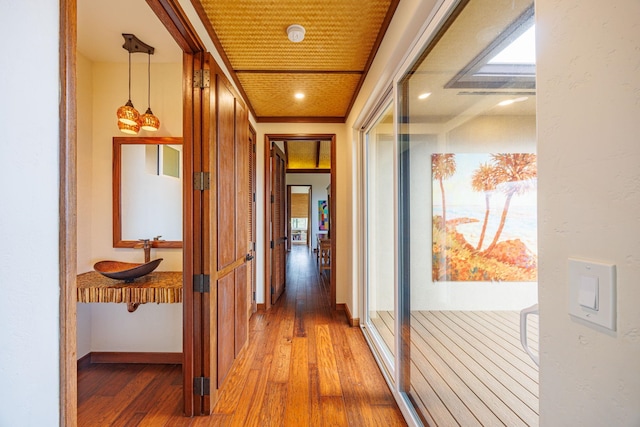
<point x="29" y="216"/>
<point x="343" y="198"/>
<point x="588" y="94"/>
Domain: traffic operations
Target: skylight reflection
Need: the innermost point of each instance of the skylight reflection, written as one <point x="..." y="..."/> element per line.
<point x="521" y="51"/>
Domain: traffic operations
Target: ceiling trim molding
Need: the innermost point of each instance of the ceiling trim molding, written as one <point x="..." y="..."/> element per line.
<point x="308" y="171"/>
<point x="296" y="119"/>
<point x="175" y="20"/>
<point x="374" y="50"/>
<point x="216" y="42"/>
<point x="299" y="71"/>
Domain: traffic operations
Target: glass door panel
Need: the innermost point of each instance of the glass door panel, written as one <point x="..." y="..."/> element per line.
<point x="379" y="160"/>
<point x="467" y="220"/>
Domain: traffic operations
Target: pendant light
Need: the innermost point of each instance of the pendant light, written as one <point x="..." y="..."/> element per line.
<point x="127" y="114"/>
<point x="148" y="120"/>
<point x="129" y="119"/>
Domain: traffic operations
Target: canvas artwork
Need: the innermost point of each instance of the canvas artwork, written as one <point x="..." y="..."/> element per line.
<point x="323" y="215"/>
<point x="484" y="217"/>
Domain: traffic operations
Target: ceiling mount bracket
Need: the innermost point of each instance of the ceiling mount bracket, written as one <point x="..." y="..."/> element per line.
<point x="132" y="44"/>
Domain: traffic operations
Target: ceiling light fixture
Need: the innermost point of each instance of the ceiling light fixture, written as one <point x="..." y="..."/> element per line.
<point x="129" y="120"/>
<point x="149" y="121"/>
<point x="299" y="95"/>
<point x="424" y="95"/>
<point x="296" y="33"/>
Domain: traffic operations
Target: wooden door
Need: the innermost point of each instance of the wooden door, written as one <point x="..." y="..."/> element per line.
<point x="251" y="265"/>
<point x="225" y="242"/>
<point x="278" y="223"/>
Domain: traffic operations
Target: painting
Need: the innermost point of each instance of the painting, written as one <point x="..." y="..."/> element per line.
<point x="323" y="215"/>
<point x="484" y="217"/>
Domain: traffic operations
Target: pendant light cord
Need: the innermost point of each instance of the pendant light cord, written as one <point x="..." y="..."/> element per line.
<point x="129" y="75"/>
<point x="149" y="81"/>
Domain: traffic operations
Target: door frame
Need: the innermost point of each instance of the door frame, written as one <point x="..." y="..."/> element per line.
<point x="175" y="20"/>
<point x="268" y="139"/>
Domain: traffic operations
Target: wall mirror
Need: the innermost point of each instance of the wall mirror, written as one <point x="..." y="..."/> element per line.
<point x="147" y="191"/>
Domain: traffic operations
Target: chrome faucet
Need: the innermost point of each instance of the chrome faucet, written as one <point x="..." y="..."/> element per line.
<point x="146" y="247"/>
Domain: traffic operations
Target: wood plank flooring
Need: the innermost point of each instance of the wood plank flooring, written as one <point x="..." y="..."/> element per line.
<point x="468" y="367"/>
<point x="304" y="366"/>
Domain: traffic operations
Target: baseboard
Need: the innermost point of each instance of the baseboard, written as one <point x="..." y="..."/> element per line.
<point x="353" y="321"/>
<point x="134" y="357"/>
<point x="84" y="361"/>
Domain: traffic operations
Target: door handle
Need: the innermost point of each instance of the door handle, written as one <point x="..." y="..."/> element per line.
<point x="249" y="257"/>
<point x="523" y="331"/>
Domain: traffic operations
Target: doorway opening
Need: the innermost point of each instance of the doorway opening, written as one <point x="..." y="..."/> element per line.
<point x="285" y="156"/>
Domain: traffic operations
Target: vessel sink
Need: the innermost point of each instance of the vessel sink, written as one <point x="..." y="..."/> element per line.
<point x="126" y="271"/>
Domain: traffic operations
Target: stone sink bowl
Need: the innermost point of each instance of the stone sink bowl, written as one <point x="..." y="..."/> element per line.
<point x="126" y="271"/>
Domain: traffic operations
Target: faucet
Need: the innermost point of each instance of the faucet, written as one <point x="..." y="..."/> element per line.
<point x="146" y="245"/>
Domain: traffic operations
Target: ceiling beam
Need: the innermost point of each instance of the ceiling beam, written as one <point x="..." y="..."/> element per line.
<point x="317" y="154"/>
<point x="286" y="152"/>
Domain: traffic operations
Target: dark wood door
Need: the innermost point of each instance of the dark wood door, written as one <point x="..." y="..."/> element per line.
<point x="225" y="244"/>
<point x="278" y="222"/>
<point x="251" y="265"/>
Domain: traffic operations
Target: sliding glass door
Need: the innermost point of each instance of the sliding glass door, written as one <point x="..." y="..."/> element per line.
<point x="380" y="277"/>
<point x="463" y="156"/>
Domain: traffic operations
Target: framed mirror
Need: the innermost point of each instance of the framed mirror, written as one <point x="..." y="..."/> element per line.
<point x="147" y="191"/>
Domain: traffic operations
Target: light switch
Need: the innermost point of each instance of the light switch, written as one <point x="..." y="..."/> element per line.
<point x="588" y="293"/>
<point x="592" y="292"/>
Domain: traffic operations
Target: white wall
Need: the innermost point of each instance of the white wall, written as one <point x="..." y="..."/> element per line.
<point x="29" y="179"/>
<point x="589" y="198"/>
<point x="343" y="199"/>
<point x="110" y="327"/>
<point x="83" y="187"/>
<point x="319" y="183"/>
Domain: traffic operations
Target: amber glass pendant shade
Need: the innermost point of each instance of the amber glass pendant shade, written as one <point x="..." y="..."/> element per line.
<point x="149" y="121"/>
<point x="127" y="114"/>
<point x="129" y="129"/>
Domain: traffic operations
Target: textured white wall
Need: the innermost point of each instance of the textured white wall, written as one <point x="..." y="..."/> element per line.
<point x="589" y="198"/>
<point x="110" y="327"/>
<point x="29" y="177"/>
<point x="343" y="199"/>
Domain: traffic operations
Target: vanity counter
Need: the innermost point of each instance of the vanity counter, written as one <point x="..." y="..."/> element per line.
<point x="159" y="287"/>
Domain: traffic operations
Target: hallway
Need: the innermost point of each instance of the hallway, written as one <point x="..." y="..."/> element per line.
<point x="304" y="366"/>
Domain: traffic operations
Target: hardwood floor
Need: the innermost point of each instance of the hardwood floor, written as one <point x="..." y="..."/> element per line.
<point x="304" y="366"/>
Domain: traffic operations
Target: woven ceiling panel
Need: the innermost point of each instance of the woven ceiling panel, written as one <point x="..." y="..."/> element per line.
<point x="327" y="95"/>
<point x="340" y="38"/>
<point x="301" y="154"/>
<point x="339" y="33"/>
<point x="325" y="155"/>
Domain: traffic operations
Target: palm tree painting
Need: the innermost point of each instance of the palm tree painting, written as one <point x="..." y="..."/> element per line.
<point x="485" y="229"/>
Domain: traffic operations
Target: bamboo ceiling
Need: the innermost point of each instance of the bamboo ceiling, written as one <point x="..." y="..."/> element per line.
<point x="328" y="66"/>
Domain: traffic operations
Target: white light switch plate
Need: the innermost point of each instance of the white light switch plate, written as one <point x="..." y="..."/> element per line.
<point x="586" y="277"/>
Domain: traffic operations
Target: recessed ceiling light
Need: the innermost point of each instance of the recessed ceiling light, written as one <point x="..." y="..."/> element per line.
<point x="424" y="95"/>
<point x="511" y="101"/>
<point x="299" y="95"/>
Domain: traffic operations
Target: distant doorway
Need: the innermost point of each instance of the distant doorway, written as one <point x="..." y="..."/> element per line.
<point x="288" y="144"/>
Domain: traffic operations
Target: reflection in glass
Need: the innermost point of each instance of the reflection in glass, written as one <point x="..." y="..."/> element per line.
<point x="379" y="232"/>
<point x="467" y="217"/>
<point x="151" y="191"/>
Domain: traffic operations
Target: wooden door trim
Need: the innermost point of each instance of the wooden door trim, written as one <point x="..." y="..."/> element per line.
<point x="174" y="18"/>
<point x="268" y="138"/>
<point x="67" y="213"/>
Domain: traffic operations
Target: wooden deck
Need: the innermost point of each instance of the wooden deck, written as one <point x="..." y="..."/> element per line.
<point x="468" y="367"/>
